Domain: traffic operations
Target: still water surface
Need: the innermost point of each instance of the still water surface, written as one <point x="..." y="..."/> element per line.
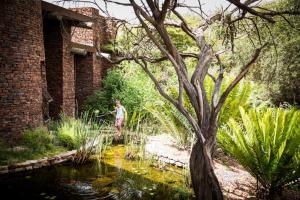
<point x="111" y="178"/>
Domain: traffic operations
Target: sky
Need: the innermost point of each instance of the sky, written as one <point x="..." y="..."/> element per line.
<point x="123" y="12"/>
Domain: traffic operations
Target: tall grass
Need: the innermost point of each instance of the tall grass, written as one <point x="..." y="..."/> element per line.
<point x="266" y="143"/>
<point x="83" y="134"/>
<point x="135" y="137"/>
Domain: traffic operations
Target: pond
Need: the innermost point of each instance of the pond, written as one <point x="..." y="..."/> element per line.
<point x="111" y="178"/>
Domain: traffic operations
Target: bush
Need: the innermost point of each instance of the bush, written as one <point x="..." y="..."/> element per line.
<point x="82" y="134"/>
<point x="266" y="143"/>
<point x="38" y="139"/>
<point x="239" y="96"/>
<point x="66" y="132"/>
<point x="66" y="141"/>
<point x="115" y="86"/>
<point x="278" y="67"/>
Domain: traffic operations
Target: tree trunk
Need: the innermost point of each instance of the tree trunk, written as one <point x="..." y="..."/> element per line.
<point x="204" y="180"/>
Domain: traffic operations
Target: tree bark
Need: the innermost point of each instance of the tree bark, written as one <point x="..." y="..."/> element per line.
<point x="204" y="180"/>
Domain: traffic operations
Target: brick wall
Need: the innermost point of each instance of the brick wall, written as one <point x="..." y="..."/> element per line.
<point x="54" y="69"/>
<point x="88" y="68"/>
<point x="90" y="37"/>
<point x="59" y="67"/>
<point x="82" y="36"/>
<point x="21" y="54"/>
<point x="68" y="73"/>
<point x="84" y="78"/>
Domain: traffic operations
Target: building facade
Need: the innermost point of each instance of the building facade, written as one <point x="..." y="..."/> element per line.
<point x="48" y="62"/>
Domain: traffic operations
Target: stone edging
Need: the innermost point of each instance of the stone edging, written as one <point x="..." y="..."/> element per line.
<point x="163" y="148"/>
<point x="169" y="160"/>
<point x="34" y="164"/>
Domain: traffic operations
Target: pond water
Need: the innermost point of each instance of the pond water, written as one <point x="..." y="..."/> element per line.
<point x="111" y="178"/>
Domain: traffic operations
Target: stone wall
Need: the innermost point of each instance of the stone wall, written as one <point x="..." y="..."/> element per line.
<point x="88" y="75"/>
<point x="21" y="55"/>
<point x="104" y="29"/>
<point x="35" y="164"/>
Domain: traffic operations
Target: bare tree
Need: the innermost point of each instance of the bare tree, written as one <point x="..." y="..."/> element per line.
<point x="152" y="16"/>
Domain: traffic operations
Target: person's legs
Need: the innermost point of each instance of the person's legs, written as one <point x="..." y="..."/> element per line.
<point x="118" y="125"/>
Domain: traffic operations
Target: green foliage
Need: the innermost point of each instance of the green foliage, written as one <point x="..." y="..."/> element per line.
<point x="38" y="139"/>
<point x="239" y="96"/>
<point x="115" y="86"/>
<point x="172" y="122"/>
<point x="266" y="144"/>
<point x="66" y="141"/>
<point x="66" y="131"/>
<point x="175" y="124"/>
<point x="83" y="134"/>
<point x="279" y="65"/>
<point x="35" y="144"/>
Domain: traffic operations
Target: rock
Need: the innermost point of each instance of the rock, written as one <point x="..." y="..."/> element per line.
<point x="172" y="162"/>
<point x="179" y="164"/>
<point x="37" y="165"/>
<point x="68" y="154"/>
<point x="31" y="162"/>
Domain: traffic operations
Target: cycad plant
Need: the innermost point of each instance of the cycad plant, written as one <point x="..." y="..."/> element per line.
<point x="172" y="122"/>
<point x="267" y="144"/>
<point x="239" y="96"/>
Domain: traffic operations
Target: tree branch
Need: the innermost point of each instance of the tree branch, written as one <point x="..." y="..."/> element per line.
<point x="241" y="75"/>
<point x="246" y="8"/>
<point x="177" y="104"/>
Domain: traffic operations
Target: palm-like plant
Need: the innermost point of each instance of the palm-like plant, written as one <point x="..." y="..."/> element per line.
<point x="267" y="144"/>
<point x="172" y="122"/>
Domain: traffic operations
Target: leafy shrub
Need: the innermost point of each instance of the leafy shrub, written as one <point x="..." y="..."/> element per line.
<point x="172" y="122"/>
<point x="266" y="144"/>
<point x="278" y="67"/>
<point x="35" y="144"/>
<point x="67" y="141"/>
<point x="115" y="86"/>
<point x="38" y="139"/>
<point x="66" y="131"/>
<point x="82" y="134"/>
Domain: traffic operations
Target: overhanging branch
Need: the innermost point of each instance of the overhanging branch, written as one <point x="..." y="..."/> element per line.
<point x="237" y="79"/>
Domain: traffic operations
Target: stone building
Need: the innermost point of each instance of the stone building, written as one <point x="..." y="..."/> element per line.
<point x="48" y="56"/>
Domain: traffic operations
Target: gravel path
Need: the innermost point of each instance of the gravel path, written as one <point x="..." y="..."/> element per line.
<point x="236" y="182"/>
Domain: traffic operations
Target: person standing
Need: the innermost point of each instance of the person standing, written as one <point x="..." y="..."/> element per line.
<point x="120" y="117"/>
